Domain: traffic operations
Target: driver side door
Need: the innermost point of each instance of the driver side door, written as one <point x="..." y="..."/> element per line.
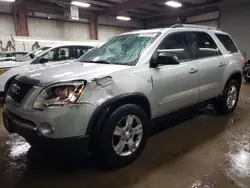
<point x="176" y="86"/>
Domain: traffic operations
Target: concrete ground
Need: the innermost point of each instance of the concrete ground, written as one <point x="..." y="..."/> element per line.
<point x="202" y="150"/>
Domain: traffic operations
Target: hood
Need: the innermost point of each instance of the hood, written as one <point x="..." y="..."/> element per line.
<point x="9" y="64"/>
<point x="72" y="71"/>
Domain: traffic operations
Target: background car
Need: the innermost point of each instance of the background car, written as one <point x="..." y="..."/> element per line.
<point x="11" y="56"/>
<point x="46" y="56"/>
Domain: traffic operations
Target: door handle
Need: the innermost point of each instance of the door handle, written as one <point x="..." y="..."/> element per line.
<point x="222" y="64"/>
<point x="193" y="70"/>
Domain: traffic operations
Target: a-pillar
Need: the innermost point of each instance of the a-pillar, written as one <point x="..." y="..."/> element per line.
<point x="93" y="27"/>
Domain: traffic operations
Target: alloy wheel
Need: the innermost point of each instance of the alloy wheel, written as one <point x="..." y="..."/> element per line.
<point x="127" y="135"/>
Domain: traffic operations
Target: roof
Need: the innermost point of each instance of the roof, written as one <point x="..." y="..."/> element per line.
<point x="144" y="31"/>
<point x="185" y="27"/>
<point x="92" y="44"/>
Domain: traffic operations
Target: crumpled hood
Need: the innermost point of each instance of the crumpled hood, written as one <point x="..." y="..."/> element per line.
<point x="9" y="64"/>
<point x="72" y="71"/>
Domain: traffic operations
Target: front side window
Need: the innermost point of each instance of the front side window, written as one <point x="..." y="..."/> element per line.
<point x="35" y="53"/>
<point x="227" y="42"/>
<point x="177" y="44"/>
<point x="204" y="45"/>
<point x="121" y="50"/>
<point x="59" y="54"/>
<point x="19" y="56"/>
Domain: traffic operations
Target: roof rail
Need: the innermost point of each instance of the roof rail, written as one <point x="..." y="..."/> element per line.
<point x="193" y="26"/>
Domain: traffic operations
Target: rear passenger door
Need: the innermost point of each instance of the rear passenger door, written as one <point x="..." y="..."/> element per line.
<point x="211" y="64"/>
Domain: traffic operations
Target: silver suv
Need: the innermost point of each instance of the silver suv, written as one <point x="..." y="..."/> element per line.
<point x="107" y="102"/>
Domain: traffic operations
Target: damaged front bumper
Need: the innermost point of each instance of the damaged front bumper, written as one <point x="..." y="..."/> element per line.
<point x="54" y="122"/>
<point x="29" y="131"/>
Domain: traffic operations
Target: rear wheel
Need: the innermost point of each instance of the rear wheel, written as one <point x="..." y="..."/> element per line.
<point x="123" y="137"/>
<point x="228" y="102"/>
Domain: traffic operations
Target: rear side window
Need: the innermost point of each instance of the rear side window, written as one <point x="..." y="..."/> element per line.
<point x="227" y="42"/>
<point x="204" y="45"/>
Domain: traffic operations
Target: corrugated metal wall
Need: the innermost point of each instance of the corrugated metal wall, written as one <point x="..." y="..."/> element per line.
<point x="6" y="25"/>
<point x="106" y="32"/>
<point x="61" y="30"/>
<point x="58" y="29"/>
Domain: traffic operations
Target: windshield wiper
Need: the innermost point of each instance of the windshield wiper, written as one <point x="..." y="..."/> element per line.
<point x="100" y="61"/>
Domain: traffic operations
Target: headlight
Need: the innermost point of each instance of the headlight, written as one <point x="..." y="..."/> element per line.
<point x="3" y="70"/>
<point x="59" y="95"/>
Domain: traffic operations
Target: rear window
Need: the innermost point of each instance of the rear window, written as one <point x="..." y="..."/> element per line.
<point x="227" y="42"/>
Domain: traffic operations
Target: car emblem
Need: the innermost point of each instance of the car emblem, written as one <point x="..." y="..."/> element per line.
<point x="15" y="89"/>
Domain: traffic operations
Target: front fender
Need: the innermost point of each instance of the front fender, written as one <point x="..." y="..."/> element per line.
<point x="100" y="90"/>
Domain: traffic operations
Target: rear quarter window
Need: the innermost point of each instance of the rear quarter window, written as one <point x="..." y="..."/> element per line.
<point x="227" y="42"/>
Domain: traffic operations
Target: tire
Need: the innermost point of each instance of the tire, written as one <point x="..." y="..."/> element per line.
<point x="108" y="151"/>
<point x="222" y="104"/>
<point x="247" y="79"/>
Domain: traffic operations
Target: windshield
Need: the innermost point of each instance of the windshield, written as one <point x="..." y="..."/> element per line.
<point x="36" y="53"/>
<point x="123" y="50"/>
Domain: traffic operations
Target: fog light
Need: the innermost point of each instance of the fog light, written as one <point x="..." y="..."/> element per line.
<point x="46" y="128"/>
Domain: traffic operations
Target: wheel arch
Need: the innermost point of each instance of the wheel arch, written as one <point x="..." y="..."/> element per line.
<point x="237" y="76"/>
<point x="105" y="109"/>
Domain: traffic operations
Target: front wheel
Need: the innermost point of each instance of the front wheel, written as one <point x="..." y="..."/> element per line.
<point x="123" y="136"/>
<point x="228" y="102"/>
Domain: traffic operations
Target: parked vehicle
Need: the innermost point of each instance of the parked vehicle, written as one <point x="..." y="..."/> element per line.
<point x="11" y="56"/>
<point x="246" y="71"/>
<point x="246" y="68"/>
<point x="46" y="56"/>
<point x="107" y="103"/>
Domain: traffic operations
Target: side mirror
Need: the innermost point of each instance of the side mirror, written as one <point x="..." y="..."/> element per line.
<point x="43" y="60"/>
<point x="32" y="56"/>
<point x="164" y="58"/>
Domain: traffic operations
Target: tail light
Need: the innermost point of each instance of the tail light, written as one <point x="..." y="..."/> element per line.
<point x="243" y="60"/>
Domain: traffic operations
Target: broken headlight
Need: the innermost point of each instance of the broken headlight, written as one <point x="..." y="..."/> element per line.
<point x="59" y="95"/>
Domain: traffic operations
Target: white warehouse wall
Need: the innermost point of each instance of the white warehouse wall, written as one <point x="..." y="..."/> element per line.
<point x="7" y="26"/>
<point x="69" y="30"/>
<point x="107" y="32"/>
<point x="57" y="29"/>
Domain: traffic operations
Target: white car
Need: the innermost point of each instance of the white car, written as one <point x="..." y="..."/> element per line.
<point x="40" y="58"/>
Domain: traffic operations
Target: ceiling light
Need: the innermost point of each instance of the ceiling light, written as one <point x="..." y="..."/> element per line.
<point x="124" y="18"/>
<point x="8" y="0"/>
<point x="80" y="4"/>
<point x="174" y="4"/>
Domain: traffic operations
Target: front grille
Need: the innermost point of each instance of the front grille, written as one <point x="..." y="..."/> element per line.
<point x="18" y="90"/>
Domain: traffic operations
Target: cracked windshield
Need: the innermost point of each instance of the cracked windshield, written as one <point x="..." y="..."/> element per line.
<point x="122" y="50"/>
